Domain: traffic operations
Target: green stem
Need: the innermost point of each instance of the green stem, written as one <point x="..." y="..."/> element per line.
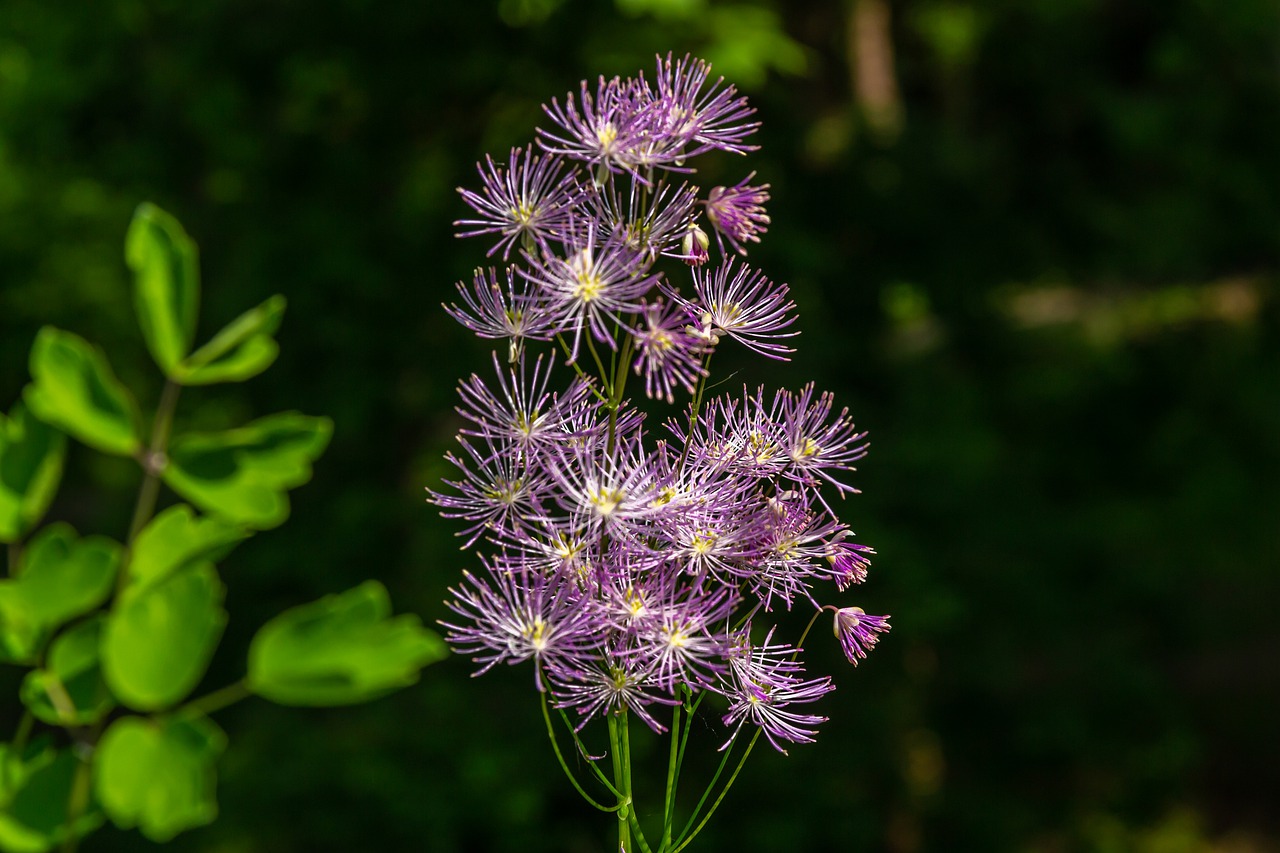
<point x="632" y="818"/>
<point x="684" y="842"/>
<point x="807" y="629"/>
<point x="17" y="746"/>
<point x="551" y="735"/>
<point x="668" y="809"/>
<point x="604" y="374"/>
<point x="76" y="805"/>
<point x="15" y="554"/>
<point x="568" y="353"/>
<point x="582" y="750"/>
<point x="621" y="778"/>
<point x="217" y="700"/>
<point x="153" y="462"/>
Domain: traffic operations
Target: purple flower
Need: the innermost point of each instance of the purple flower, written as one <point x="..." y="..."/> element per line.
<point x="667" y="354"/>
<point x="673" y="633"/>
<point x="529" y="200"/>
<point x="849" y="563"/>
<point x="708" y="116"/>
<point x="492" y="311"/>
<point x="602" y="128"/>
<point x="594" y="284"/>
<point x="763" y="683"/>
<point x="516" y="616"/>
<point x="610" y="488"/>
<point x="858" y="631"/>
<point x="737" y="213"/>
<point x="630" y="566"/>
<point x="522" y="410"/>
<point x="793" y="541"/>
<point x="654" y="220"/>
<point x="816" y="442"/>
<point x="611" y="685"/>
<point x="495" y="491"/>
<point x="743" y="305"/>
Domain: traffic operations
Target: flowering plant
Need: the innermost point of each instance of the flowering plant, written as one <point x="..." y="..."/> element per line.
<point x="638" y="569"/>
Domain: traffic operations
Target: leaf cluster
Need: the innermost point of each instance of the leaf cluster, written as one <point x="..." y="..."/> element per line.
<point x="116" y="635"/>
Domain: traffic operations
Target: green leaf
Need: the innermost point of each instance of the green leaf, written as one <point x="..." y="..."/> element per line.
<point x="159" y="640"/>
<point x="339" y="650"/>
<point x="242" y="474"/>
<point x="158" y="775"/>
<point x="31" y="455"/>
<point x="176" y="538"/>
<point x="59" y="577"/>
<point x="166" y="284"/>
<point x="68" y="691"/>
<point x="243" y="349"/>
<point x="34" y="816"/>
<point x="75" y="390"/>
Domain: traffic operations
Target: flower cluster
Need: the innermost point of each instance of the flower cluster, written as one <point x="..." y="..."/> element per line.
<point x="637" y="564"/>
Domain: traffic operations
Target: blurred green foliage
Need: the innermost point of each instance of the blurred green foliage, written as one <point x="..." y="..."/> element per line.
<point x="1051" y="296"/>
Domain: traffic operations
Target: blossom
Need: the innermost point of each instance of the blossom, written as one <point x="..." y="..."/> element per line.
<point x="816" y="442"/>
<point x="529" y="200"/>
<point x="611" y="487"/>
<point x="667" y="354"/>
<point x="595" y="283"/>
<point x="858" y="631"/>
<point x="492" y="311"/>
<point x="763" y="684"/>
<point x="522" y="410"/>
<point x="849" y="563"/>
<point x="707" y="116"/>
<point x="610" y="685"/>
<point x="513" y="616"/>
<point x="793" y="541"/>
<point x="737" y="213"/>
<point x="674" y="634"/>
<point x="630" y="565"/>
<point x="743" y="305"/>
<point x="495" y="491"/>
<point x="604" y="128"/>
<point x="654" y="219"/>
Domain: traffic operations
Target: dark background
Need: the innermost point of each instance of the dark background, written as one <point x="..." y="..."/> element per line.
<point x="1036" y="256"/>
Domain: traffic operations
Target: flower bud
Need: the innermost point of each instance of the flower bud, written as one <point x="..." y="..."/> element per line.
<point x="695" y="245"/>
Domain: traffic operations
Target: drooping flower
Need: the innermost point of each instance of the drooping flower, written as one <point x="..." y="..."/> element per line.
<point x="693" y="247"/>
<point x="858" y="631"/>
<point x="529" y="200"/>
<point x="737" y="213"/>
<point x="849" y="563"/>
